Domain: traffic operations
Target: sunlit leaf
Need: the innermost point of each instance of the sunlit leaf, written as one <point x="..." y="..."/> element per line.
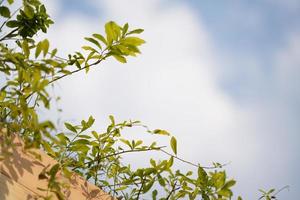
<point x="70" y="127"/>
<point x="173" y="144"/>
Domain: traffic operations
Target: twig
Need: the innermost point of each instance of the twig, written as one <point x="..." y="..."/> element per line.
<point x="283" y="188"/>
<point x="190" y="163"/>
<point x="9" y="34"/>
<point x="140" y="190"/>
<point x="9" y="17"/>
<point x="173" y="190"/>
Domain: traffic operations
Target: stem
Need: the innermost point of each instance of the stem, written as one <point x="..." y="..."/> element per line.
<point x="9" y="34"/>
<point x="285" y="187"/>
<point x="140" y="190"/>
<point x="9" y="17"/>
<point x="173" y="190"/>
<point x="127" y="151"/>
<point x="190" y="163"/>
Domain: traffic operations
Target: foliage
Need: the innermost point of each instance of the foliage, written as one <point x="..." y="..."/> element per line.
<point x="30" y="67"/>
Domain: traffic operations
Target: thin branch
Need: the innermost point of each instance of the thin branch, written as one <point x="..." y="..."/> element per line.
<point x="190" y="163"/>
<point x="73" y="72"/>
<point x="173" y="190"/>
<point x="9" y="17"/>
<point x="140" y="190"/>
<point x="9" y="34"/>
<point x="129" y="151"/>
<point x="283" y="188"/>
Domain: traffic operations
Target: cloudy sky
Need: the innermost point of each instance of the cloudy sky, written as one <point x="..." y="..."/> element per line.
<point x="222" y="77"/>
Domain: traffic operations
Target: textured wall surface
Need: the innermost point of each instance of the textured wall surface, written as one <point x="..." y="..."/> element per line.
<point x="19" y="179"/>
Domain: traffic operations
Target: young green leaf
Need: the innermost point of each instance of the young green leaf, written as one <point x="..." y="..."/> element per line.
<point x="53" y="53"/>
<point x="29" y="11"/>
<point x="25" y="48"/>
<point x="148" y="186"/>
<point x="119" y="58"/>
<point x="45" y="46"/>
<point x="88" y="48"/>
<point x="100" y="37"/>
<point x="229" y="184"/>
<point x="125" y="29"/>
<point x="161" y="132"/>
<point x="173" y="144"/>
<point x="38" y="50"/>
<point x="70" y="127"/>
<point x="135" y="41"/>
<point x="112" y="31"/>
<point x="136" y="31"/>
<point x="95" y="42"/>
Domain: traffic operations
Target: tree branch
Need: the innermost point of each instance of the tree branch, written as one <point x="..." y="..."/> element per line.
<point x="190" y="163"/>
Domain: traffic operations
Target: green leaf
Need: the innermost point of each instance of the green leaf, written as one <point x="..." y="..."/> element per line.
<point x="4" y="11"/>
<point x="88" y="48"/>
<point x="62" y="138"/>
<point x="53" y="53"/>
<point x="271" y="191"/>
<point x="81" y="142"/>
<point x="95" y="42"/>
<point x="239" y="198"/>
<point x="161" y="180"/>
<point x="229" y="184"/>
<point x="125" y="28"/>
<point x="170" y="162"/>
<point x="173" y="144"/>
<point x="10" y="1"/>
<point x="135" y="41"/>
<point x="95" y="134"/>
<point x="12" y="24"/>
<point x="136" y="31"/>
<point x="154" y="194"/>
<point x="161" y="132"/>
<point x="100" y="37"/>
<point x="119" y="58"/>
<point x="38" y="49"/>
<point x="148" y="186"/>
<point x="84" y="136"/>
<point x="54" y="169"/>
<point x="152" y="162"/>
<point x="45" y="46"/>
<point x="225" y="192"/>
<point x="126" y="142"/>
<point x="67" y="172"/>
<point x="112" y="31"/>
<point x="91" y="121"/>
<point x="48" y="148"/>
<point x="139" y="142"/>
<point x="70" y="127"/>
<point x="202" y="175"/>
<point x="25" y="48"/>
<point x="112" y="119"/>
<point x="29" y="11"/>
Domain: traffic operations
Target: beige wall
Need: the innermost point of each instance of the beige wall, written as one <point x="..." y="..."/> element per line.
<point x="19" y="179"/>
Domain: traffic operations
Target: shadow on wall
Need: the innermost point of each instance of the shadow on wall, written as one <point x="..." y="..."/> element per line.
<point x="19" y="177"/>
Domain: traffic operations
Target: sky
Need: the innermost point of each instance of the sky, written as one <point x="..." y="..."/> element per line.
<point x="222" y="77"/>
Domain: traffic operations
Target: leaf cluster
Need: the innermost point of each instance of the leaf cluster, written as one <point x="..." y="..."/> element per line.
<point x="29" y="67"/>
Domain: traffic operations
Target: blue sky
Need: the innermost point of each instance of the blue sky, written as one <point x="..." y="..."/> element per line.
<point x="223" y="77"/>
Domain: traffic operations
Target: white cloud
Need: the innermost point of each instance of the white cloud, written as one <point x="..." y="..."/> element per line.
<point x="288" y="70"/>
<point x="172" y="85"/>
